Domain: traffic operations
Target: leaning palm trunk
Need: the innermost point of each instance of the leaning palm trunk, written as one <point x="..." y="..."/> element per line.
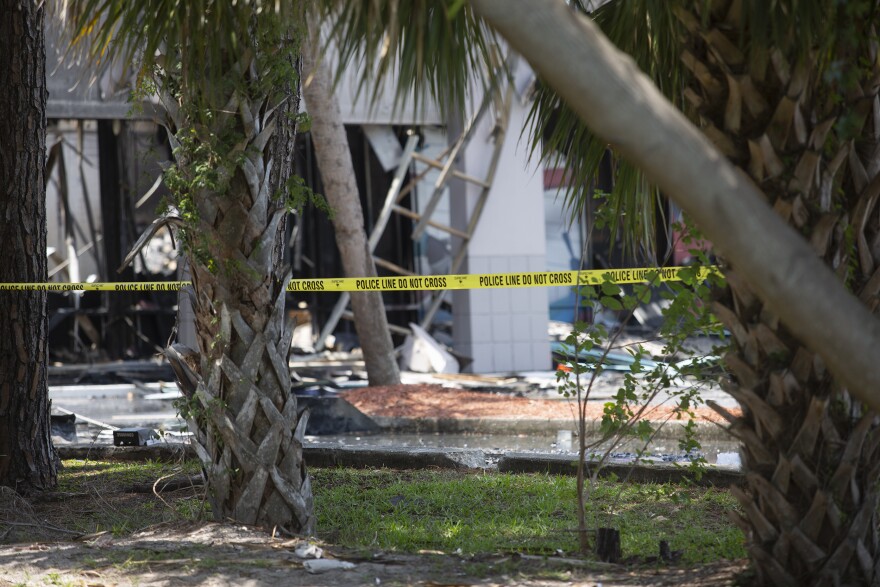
<point x="811" y="453"/>
<point x="244" y="420"/>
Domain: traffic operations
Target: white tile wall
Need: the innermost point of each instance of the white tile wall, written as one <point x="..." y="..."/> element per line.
<point x="483" y="357"/>
<point x="502" y="358"/>
<point x="479" y="264"/>
<point x="541" y="358"/>
<point x="523" y="329"/>
<point x="481" y="328"/>
<point x="505" y="329"/>
<point x="481" y="301"/>
<point x="520" y="301"/>
<point x="501" y="328"/>
<point x="500" y="301"/>
<point x="499" y="264"/>
<point x="522" y="354"/>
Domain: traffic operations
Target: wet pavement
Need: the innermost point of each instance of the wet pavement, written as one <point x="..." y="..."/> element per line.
<point x="663" y="451"/>
<point x="101" y="408"/>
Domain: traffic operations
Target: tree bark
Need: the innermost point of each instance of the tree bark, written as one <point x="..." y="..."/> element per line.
<point x="607" y="90"/>
<point x="786" y="394"/>
<point x="27" y="457"/>
<point x="811" y="454"/>
<point x="246" y="428"/>
<point x="340" y="189"/>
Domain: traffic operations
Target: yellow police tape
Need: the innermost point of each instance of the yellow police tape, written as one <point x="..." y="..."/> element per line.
<point x="427" y="282"/>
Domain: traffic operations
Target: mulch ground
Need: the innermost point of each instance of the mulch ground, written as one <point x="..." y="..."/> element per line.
<point x="437" y="401"/>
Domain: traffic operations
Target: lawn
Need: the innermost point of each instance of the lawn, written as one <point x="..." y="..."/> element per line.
<point x="402" y="511"/>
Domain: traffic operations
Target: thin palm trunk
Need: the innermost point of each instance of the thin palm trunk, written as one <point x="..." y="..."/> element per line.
<point x="340" y="189"/>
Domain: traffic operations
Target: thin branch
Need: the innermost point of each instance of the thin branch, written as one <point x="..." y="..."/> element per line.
<point x="44" y="525"/>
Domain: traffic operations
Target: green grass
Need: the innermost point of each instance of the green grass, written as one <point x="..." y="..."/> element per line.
<point x="411" y="511"/>
<point x="97" y="493"/>
<point x="447" y="511"/>
<point x="82" y="475"/>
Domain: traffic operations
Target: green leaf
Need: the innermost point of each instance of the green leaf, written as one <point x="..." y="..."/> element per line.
<point x="610" y="289"/>
<point x="642" y="292"/>
<point x="588" y="292"/>
<point x="611" y="303"/>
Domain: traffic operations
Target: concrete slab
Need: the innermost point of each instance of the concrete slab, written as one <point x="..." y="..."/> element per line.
<point x="706" y="431"/>
<point x="394" y="458"/>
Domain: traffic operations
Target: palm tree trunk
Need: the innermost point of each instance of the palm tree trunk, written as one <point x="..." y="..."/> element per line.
<point x="27" y="457"/>
<point x="247" y="431"/>
<point x="811" y="451"/>
<point x="340" y="189"/>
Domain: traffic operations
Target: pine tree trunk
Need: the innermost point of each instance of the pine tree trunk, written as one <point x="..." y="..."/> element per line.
<point x="27" y="457"/>
<point x="340" y="189"/>
<point x="247" y="431"/>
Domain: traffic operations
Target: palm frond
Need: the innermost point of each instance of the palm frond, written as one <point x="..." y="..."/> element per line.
<point x="647" y="30"/>
<point x="198" y="39"/>
<point x="429" y="48"/>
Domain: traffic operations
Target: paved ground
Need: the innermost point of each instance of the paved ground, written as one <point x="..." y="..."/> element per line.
<point x="496" y="413"/>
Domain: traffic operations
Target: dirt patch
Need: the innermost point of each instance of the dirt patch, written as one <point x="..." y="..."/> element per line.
<point x="225" y="554"/>
<point x="437" y="401"/>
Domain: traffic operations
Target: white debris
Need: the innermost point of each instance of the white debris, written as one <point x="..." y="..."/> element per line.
<point x="729" y="459"/>
<point x="324" y="565"/>
<point x="308" y="551"/>
<point x="423" y="354"/>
